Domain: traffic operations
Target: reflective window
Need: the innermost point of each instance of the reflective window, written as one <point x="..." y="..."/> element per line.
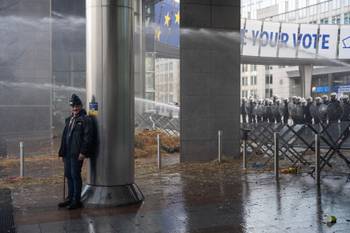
<point x="324" y="21"/>
<point x="336" y="19"/>
<point x="347" y="18"/>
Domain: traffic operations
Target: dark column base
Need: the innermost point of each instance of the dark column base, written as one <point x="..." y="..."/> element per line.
<point x="111" y="196"/>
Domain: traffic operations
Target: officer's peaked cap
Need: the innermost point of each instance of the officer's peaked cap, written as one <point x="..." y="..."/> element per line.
<point x="75" y="100"/>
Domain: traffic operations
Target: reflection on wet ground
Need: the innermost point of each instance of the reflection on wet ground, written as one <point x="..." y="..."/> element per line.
<point x="202" y="198"/>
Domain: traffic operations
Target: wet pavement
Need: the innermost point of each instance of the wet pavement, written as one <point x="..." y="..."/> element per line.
<point x="205" y="197"/>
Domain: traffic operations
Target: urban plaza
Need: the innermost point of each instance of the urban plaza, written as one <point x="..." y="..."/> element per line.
<point x="175" y="116"/>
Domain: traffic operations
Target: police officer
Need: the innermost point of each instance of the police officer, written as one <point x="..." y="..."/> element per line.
<point x="285" y="112"/>
<point x="345" y="103"/>
<point x="307" y="112"/>
<point x="76" y="145"/>
<point x="269" y="111"/>
<point x="244" y="110"/>
<point x="275" y="109"/>
<point x="325" y="99"/>
<point x="318" y="103"/>
<point x="255" y="102"/>
<point x="259" y="111"/>
<point x="251" y="105"/>
<point x="298" y="111"/>
<point x="334" y="109"/>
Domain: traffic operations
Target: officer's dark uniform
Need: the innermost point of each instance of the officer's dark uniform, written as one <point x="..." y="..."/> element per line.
<point x="76" y="139"/>
<point x="285" y="112"/>
<point x="250" y="108"/>
<point x="244" y="111"/>
<point x="317" y="118"/>
<point x="346" y="110"/>
<point x="269" y="113"/>
<point x="307" y="113"/>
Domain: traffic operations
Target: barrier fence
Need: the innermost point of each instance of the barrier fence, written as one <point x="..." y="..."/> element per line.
<point x="310" y="148"/>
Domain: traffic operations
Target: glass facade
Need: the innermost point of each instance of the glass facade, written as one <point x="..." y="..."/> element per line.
<point x="44" y="43"/>
<point x="286" y="80"/>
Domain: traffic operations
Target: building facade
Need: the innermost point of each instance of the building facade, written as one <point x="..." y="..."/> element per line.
<point x="286" y="80"/>
<point x="167" y="78"/>
<point x="42" y="62"/>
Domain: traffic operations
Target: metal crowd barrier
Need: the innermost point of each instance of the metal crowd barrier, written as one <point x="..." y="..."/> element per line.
<point x="151" y="120"/>
<point x="297" y="143"/>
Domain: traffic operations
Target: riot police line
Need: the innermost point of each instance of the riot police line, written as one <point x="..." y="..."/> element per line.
<point x="297" y="121"/>
<point x="296" y="109"/>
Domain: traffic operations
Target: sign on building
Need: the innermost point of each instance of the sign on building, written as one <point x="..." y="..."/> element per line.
<point x="287" y="40"/>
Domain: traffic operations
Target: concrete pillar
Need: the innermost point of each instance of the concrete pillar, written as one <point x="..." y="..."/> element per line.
<point x="306" y="79"/>
<point x="330" y="82"/>
<point x="209" y="78"/>
<point x="110" y="73"/>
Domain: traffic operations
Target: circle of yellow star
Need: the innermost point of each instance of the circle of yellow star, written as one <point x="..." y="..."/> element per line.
<point x="177" y="17"/>
<point x="167" y="20"/>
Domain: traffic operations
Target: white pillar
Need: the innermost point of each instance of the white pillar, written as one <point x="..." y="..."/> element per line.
<point x="306" y="78"/>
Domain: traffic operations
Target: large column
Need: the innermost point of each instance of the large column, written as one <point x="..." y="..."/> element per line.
<point x="306" y="79"/>
<point x="210" y="78"/>
<point x="110" y="67"/>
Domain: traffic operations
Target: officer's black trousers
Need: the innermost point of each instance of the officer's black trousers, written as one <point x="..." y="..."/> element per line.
<point x="72" y="170"/>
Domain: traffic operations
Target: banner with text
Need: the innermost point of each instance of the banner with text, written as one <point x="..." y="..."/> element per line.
<point x="287" y="40"/>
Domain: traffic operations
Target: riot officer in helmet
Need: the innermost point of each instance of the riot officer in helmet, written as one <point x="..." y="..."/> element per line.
<point x="325" y="99"/>
<point x="307" y="112"/>
<point x="285" y="111"/>
<point x="259" y="110"/>
<point x="254" y="111"/>
<point x="278" y="115"/>
<point x="298" y="112"/>
<point x="250" y="110"/>
<point x="318" y="103"/>
<point x="334" y="109"/>
<point x="265" y="110"/>
<point x="333" y="96"/>
<point x="244" y="110"/>
<point x="346" y="108"/>
<point x="269" y="112"/>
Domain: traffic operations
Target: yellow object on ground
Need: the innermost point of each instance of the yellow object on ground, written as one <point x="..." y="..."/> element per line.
<point x="331" y="219"/>
<point x="290" y="170"/>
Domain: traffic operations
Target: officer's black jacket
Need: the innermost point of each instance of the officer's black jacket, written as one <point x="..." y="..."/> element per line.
<point x="81" y="138"/>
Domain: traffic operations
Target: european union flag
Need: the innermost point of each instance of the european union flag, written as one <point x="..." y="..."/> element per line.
<point x="167" y="20"/>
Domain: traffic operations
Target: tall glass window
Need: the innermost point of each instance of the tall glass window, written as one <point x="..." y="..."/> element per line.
<point x="324" y="21"/>
<point x="347" y="18"/>
<point x="336" y="19"/>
